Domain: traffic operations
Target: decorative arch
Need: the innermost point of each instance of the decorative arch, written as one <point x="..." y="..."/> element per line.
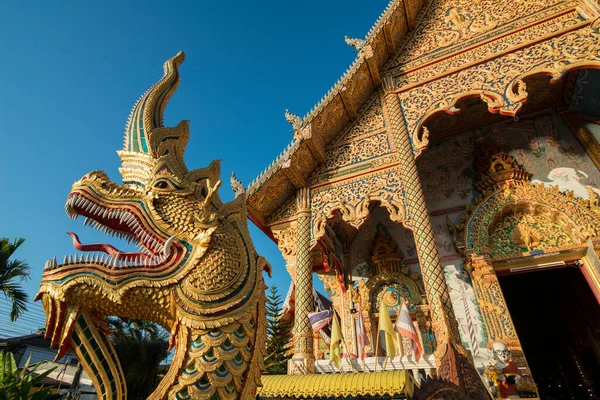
<point x="352" y="199"/>
<point x="498" y="80"/>
<point x="565" y="214"/>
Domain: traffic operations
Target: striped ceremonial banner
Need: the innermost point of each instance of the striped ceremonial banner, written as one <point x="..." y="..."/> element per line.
<point x="361" y="336"/>
<point x="319" y="320"/>
<point x="405" y="327"/>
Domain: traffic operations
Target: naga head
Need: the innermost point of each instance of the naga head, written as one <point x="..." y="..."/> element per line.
<point x="195" y="267"/>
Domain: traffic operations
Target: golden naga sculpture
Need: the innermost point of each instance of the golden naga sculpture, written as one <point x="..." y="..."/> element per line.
<point x="196" y="274"/>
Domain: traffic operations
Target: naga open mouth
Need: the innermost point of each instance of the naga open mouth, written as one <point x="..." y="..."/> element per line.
<point x="122" y="221"/>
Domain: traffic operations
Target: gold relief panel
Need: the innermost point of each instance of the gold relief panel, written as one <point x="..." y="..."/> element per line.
<point x="352" y="198"/>
<point x="448" y="26"/>
<point x="271" y="194"/>
<point x="521" y="217"/>
<point x="358" y="87"/>
<point x="405" y="78"/>
<point x="501" y="79"/>
<point x="363" y="140"/>
<point x="379" y="52"/>
<point x="350" y="171"/>
<point x="358" y="150"/>
<point x="370" y="120"/>
<point x="332" y="119"/>
<point x="304" y="160"/>
<point x="286" y="212"/>
<point x="396" y="29"/>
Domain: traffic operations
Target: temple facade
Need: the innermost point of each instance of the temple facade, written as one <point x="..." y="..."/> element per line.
<point x="454" y="167"/>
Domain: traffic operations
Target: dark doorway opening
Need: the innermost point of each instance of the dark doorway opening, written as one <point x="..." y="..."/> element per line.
<point x="557" y="319"/>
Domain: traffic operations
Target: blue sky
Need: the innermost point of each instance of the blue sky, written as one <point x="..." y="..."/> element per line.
<point x="72" y="71"/>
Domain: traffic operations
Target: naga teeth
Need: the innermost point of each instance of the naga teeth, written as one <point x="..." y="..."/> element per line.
<point x="50" y="264"/>
<point x="167" y="248"/>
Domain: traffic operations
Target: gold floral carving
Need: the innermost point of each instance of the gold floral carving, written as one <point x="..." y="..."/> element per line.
<point x="363" y="145"/>
<point x="502" y="77"/>
<point x="497" y="320"/>
<point x="287" y="242"/>
<point x="573" y="222"/>
<point x="451" y="26"/>
<point x="285" y="213"/>
<point x="407" y="79"/>
<point x="352" y="198"/>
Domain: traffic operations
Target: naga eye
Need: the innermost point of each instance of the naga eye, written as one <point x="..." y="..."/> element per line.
<point x="163" y="185"/>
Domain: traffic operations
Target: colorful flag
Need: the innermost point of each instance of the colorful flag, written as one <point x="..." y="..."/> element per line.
<point x="361" y="335"/>
<point x="335" y="348"/>
<point x="385" y="325"/>
<point x="405" y="327"/>
<point x="319" y="320"/>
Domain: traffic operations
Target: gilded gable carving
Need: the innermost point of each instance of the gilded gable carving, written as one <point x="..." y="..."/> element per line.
<point x="362" y="141"/>
<point x="370" y="120"/>
<point x="501" y="78"/>
<point x="285" y="213"/>
<point x="451" y="23"/>
<point x="352" y="152"/>
<point x="407" y="75"/>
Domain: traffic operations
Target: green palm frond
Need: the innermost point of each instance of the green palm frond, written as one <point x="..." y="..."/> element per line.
<point x="12" y="271"/>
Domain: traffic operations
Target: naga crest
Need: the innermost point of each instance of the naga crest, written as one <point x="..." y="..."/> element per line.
<point x="196" y="272"/>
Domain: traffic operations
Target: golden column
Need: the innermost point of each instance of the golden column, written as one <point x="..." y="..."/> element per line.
<point x="303" y="358"/>
<point x="453" y="362"/>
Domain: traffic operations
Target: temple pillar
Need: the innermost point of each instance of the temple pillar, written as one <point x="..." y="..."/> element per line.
<point x="302" y="361"/>
<point x="453" y="361"/>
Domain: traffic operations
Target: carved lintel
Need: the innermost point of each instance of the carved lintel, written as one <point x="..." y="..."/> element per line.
<point x="293" y="174"/>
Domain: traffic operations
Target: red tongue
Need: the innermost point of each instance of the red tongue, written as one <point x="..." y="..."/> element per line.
<point x="105" y="248"/>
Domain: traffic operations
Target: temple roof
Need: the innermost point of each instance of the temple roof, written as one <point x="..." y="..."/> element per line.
<point x="341" y="106"/>
<point x="337" y="385"/>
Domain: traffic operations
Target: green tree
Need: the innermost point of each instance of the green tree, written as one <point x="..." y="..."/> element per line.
<point x="140" y="346"/>
<point x="18" y="385"/>
<point x="279" y="336"/>
<point x="12" y="272"/>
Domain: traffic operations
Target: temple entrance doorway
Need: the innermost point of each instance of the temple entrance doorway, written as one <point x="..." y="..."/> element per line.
<point x="557" y="318"/>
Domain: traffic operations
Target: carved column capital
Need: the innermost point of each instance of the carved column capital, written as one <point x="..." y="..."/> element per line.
<point x="287" y="241"/>
<point x="303" y="201"/>
<point x="389" y="85"/>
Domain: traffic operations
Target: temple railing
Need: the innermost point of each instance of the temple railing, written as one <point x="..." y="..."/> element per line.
<point x="426" y="363"/>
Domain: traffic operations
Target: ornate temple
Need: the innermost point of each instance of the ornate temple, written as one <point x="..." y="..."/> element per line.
<point x="455" y="168"/>
<point x="446" y="192"/>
